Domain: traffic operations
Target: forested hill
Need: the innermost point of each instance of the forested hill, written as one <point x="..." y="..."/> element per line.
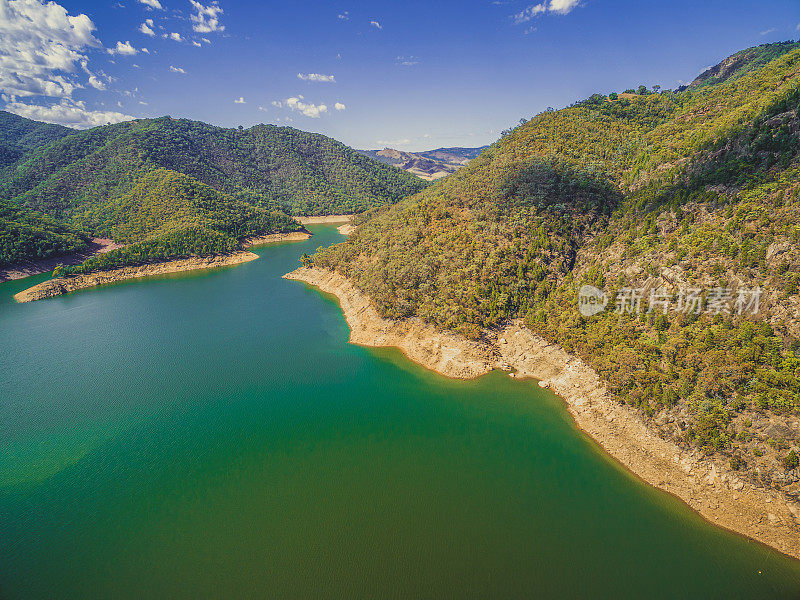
<point x="304" y="173"/>
<point x="68" y="182"/>
<point x="632" y="193"/>
<point x="168" y="215"/>
<point x="19" y="135"/>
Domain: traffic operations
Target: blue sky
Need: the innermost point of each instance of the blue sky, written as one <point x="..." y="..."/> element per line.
<point x="412" y="74"/>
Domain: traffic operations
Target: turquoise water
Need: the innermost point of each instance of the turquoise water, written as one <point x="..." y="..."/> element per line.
<point x="213" y="435"/>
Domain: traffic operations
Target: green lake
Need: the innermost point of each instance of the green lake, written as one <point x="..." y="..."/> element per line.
<point x="213" y="435"/>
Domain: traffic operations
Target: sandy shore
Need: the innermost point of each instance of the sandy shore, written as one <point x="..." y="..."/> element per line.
<point x="37" y="267"/>
<point x="708" y="486"/>
<point x="65" y="285"/>
<point x="346" y="229"/>
<point x="324" y="219"/>
<point x="273" y="238"/>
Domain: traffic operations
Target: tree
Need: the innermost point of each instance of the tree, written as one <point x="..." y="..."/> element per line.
<point x="305" y="259"/>
<point x="791" y="461"/>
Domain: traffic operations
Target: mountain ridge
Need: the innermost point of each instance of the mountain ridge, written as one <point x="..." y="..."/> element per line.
<point x="427" y="164"/>
<point x="75" y="177"/>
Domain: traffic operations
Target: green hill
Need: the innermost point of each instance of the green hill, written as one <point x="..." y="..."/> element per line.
<point x="303" y="173"/>
<point x="81" y="179"/>
<point x="169" y="215"/>
<point x="19" y="135"/>
<point x="690" y="189"/>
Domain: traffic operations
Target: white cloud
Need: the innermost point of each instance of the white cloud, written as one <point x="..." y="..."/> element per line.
<point x="407" y="61"/>
<point x="96" y="83"/>
<point x="123" y="48"/>
<point x="173" y="36"/>
<point x="339" y="106"/>
<point x="40" y="48"/>
<point x="240" y="100"/>
<point x="561" y="7"/>
<point x="277" y="104"/>
<point x="206" y="40"/>
<point x="196" y="43"/>
<point x="261" y="108"/>
<point x="767" y="31"/>
<point x="177" y="70"/>
<point x="316" y="77"/>
<point x="309" y="109"/>
<point x="147" y="27"/>
<point x="207" y="18"/>
<point x="155" y="4"/>
<point x="68" y="112"/>
<point x="145" y="50"/>
<point x="345" y="16"/>
<point x="376" y="24"/>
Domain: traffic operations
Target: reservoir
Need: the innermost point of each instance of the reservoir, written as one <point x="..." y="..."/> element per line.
<point x="213" y="435"/>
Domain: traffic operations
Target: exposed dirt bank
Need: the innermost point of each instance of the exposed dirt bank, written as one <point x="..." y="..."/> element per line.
<point x="324" y="219"/>
<point x="708" y="486"/>
<point x="65" y="285"/>
<point x="37" y="267"/>
<point x="272" y="238"/>
<point x="346" y="229"/>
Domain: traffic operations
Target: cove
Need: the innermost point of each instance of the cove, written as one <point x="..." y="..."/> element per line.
<point x="213" y="435"/>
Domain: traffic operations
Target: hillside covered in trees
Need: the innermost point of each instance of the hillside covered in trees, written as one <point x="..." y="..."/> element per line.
<point x="19" y="135"/>
<point x="92" y="182"/>
<point x="646" y="196"/>
<point x="30" y="235"/>
<point x="169" y="215"/>
<point x="303" y="173"/>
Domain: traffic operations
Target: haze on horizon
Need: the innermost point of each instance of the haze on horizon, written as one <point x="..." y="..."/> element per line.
<point x="371" y="74"/>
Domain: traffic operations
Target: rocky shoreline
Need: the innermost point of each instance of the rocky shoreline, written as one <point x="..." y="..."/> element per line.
<point x="324" y="219"/>
<point x="707" y="485"/>
<point x="45" y="265"/>
<point x="273" y="238"/>
<point x="65" y="285"/>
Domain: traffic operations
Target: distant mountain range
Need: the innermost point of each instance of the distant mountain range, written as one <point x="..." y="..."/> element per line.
<point x="429" y="164"/>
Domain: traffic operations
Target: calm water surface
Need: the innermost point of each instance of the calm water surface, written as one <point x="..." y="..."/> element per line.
<point x="213" y="435"/>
